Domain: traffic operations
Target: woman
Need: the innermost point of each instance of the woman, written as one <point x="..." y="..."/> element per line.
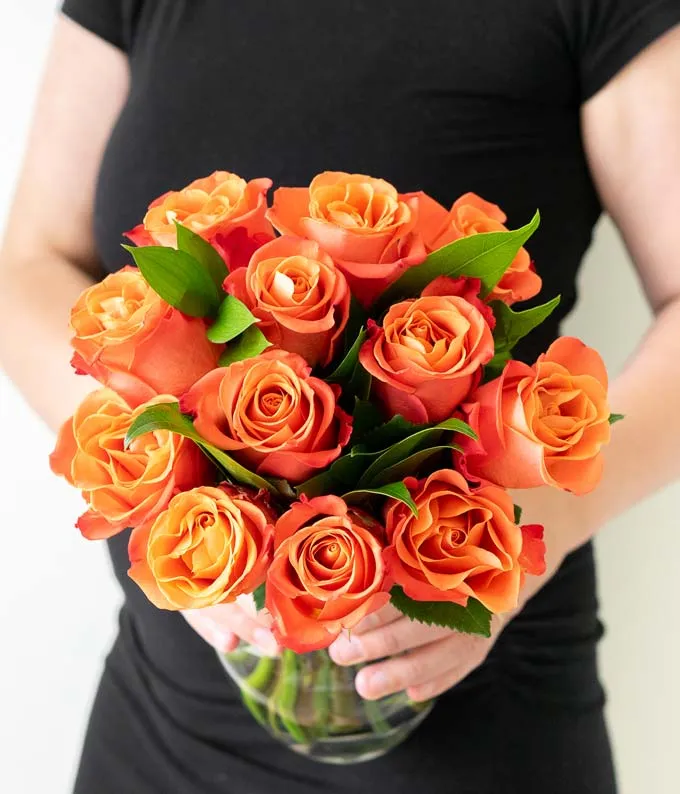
<point x="511" y="100"/>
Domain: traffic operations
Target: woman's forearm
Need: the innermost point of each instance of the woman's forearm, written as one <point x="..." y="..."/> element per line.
<point x="35" y="300"/>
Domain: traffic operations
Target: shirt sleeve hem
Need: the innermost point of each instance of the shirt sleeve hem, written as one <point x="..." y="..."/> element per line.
<point x="88" y="18"/>
<point x="643" y="30"/>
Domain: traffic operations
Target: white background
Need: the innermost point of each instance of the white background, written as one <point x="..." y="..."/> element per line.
<point x="57" y="595"/>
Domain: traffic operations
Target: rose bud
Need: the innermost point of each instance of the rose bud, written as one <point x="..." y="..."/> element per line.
<point x="214" y="205"/>
<point x="208" y="546"/>
<point x="123" y="487"/>
<point x="271" y="415"/>
<point x="327" y="573"/>
<point x="427" y="356"/>
<point x="132" y="341"/>
<point x="299" y="296"/>
<point x="363" y="223"/>
<point x="541" y="425"/>
<point x="463" y="544"/>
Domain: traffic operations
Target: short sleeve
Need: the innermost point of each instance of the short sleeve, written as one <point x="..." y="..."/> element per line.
<point x="112" y="20"/>
<point x="606" y="34"/>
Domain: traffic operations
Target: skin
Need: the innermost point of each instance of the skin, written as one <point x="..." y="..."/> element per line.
<point x="631" y="131"/>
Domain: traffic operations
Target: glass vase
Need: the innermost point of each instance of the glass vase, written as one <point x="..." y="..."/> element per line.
<point x="311" y="705"/>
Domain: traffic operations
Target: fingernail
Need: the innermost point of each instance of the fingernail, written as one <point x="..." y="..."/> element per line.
<point x="346" y="651"/>
<point x="226" y="642"/>
<point x="373" y="685"/>
<point x="264" y="640"/>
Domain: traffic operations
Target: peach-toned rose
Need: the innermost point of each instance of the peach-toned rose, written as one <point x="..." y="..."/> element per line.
<point x="208" y="546"/>
<point x="469" y="215"/>
<point x="327" y="573"/>
<point x="135" y="343"/>
<point x="463" y="544"/>
<point x="362" y="222"/>
<point x="427" y="356"/>
<point x="216" y="204"/>
<point x="542" y="425"/>
<point x="271" y="415"/>
<point x="123" y="487"/>
<point x="299" y="296"/>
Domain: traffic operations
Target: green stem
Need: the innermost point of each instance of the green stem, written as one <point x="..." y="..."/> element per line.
<point x="284" y="697"/>
<point x="322" y="695"/>
<point x="375" y="716"/>
<point x="257" y="682"/>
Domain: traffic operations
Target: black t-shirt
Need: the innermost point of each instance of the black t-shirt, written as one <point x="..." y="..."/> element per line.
<point x="445" y="96"/>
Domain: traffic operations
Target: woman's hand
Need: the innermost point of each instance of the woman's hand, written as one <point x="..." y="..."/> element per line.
<point x="224" y="625"/>
<point x="427" y="660"/>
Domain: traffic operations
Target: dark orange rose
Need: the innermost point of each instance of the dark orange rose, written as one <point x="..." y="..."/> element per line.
<point x="271" y="415"/>
<point x="469" y="215"/>
<point x="541" y="425"/>
<point x="463" y="544"/>
<point x="327" y="573"/>
<point x="362" y="222"/>
<point x="123" y="487"/>
<point x="299" y="296"/>
<point x="214" y="205"/>
<point x="208" y="546"/>
<point x="427" y="356"/>
<point x="132" y="341"/>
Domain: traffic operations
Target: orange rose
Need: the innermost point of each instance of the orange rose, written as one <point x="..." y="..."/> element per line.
<point x="463" y="544"/>
<point x="299" y="296"/>
<point x="135" y="343"/>
<point x="327" y="573"/>
<point x="216" y="204"/>
<point x="362" y="222"/>
<point x="542" y="425"/>
<point x="208" y="546"/>
<point x="427" y="356"/>
<point x="469" y="215"/>
<point x="122" y="487"/>
<point x="271" y="415"/>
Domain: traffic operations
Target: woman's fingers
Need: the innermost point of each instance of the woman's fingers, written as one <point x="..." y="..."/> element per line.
<point x="224" y="624"/>
<point x="426" y="671"/>
<point x="387" y="640"/>
<point x="388" y="614"/>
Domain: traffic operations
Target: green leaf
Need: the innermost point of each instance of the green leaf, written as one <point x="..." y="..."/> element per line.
<point x="232" y="319"/>
<point x="384" y="435"/>
<point x="251" y="343"/>
<point x="402" y="449"/>
<point x="475" y="618"/>
<point x="518" y="514"/>
<point x="365" y="418"/>
<point x="496" y="366"/>
<point x="167" y="416"/>
<point x="410" y="465"/>
<point x="194" y="245"/>
<point x="484" y="256"/>
<point x="396" y="490"/>
<point x="342" y="474"/>
<point x="614" y="418"/>
<point x="511" y="326"/>
<point x="178" y="278"/>
<point x="345" y="369"/>
<point x="259" y="597"/>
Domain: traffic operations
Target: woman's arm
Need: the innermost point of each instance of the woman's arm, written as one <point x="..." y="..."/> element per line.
<point x="48" y="255"/>
<point x="632" y="135"/>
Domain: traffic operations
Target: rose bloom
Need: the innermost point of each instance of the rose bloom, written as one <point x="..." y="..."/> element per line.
<point x="208" y="546"/>
<point x="469" y="215"/>
<point x="299" y="296"/>
<point x="327" y="573"/>
<point x="427" y="356"/>
<point x="271" y="415"/>
<point x="123" y="487"/>
<point x="215" y="205"/>
<point x="129" y="339"/>
<point x="362" y="222"/>
<point x="463" y="544"/>
<point x="542" y="425"/>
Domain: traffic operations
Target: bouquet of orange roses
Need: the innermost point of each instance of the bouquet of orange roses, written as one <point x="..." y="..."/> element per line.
<point x="326" y="420"/>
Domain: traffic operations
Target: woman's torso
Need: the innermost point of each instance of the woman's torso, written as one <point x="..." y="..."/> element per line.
<point x="440" y="95"/>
